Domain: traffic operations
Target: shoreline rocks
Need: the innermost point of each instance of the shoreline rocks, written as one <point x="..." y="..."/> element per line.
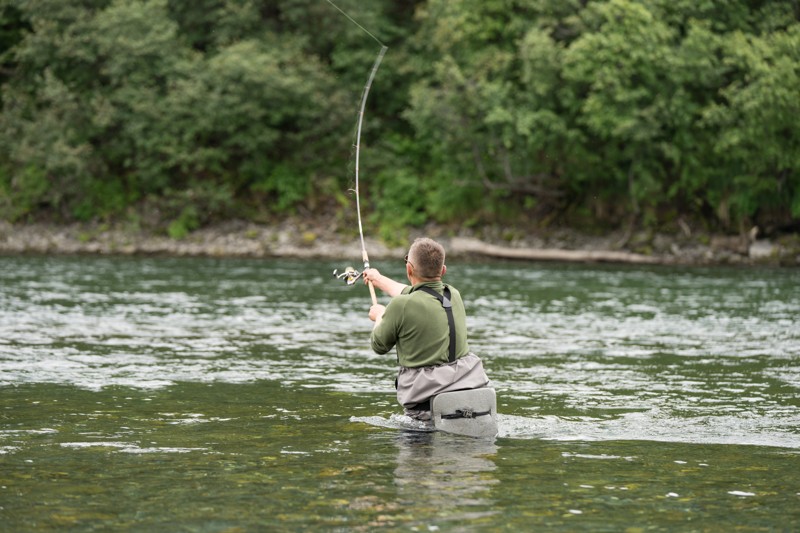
<point x="301" y="240"/>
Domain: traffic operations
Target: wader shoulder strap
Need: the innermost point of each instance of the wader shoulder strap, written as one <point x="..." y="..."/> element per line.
<point x="451" y="323"/>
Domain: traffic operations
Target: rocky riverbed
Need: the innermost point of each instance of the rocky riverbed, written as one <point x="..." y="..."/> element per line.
<point x="303" y="239"/>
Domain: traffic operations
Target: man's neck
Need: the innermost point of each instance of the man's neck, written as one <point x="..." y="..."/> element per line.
<point x="416" y="281"/>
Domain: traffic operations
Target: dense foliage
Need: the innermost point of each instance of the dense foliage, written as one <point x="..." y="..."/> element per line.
<point x="612" y="111"/>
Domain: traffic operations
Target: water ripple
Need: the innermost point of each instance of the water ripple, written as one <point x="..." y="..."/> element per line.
<point x="700" y="354"/>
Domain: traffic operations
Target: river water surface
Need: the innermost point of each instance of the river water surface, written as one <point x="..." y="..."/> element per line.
<point x="240" y="395"/>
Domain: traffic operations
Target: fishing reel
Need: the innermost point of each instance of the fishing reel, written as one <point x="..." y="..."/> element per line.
<point x="349" y="276"/>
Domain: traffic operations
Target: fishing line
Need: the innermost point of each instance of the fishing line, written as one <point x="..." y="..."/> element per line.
<point x="356" y="23"/>
<point x="350" y="273"/>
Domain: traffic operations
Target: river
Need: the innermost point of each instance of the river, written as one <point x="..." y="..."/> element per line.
<point x="179" y="394"/>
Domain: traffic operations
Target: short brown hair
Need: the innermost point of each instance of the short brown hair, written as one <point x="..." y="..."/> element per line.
<point x="427" y="258"/>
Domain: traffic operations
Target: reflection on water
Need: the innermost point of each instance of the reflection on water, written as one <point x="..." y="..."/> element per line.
<point x="447" y="474"/>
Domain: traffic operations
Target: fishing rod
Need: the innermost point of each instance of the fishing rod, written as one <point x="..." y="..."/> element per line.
<point x="350" y="274"/>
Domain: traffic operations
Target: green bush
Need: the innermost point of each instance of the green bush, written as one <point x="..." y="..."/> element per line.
<point x="187" y="222"/>
<point x="21" y="194"/>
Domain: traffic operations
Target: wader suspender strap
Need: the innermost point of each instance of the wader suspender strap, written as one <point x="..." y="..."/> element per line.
<point x="451" y="323"/>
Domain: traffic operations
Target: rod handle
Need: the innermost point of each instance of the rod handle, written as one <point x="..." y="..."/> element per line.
<point x="372" y="293"/>
<point x="365" y="258"/>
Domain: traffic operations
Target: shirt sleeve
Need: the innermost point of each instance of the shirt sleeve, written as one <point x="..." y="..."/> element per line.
<point x="384" y="335"/>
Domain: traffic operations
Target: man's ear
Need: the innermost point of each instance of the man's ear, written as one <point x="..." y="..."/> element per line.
<point x="444" y="269"/>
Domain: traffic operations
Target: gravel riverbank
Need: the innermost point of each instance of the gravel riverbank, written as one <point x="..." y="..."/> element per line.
<point x="304" y="240"/>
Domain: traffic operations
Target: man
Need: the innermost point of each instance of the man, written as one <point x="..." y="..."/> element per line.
<point x="426" y="322"/>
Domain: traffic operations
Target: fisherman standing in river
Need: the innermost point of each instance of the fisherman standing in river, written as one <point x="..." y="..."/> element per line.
<point x="426" y="322"/>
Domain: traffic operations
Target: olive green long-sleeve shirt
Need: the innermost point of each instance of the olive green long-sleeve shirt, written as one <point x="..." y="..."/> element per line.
<point x="416" y="323"/>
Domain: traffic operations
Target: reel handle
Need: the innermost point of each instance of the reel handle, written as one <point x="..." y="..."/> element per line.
<point x="351" y="275"/>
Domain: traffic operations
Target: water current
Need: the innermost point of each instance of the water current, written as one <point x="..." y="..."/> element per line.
<point x="241" y="395"/>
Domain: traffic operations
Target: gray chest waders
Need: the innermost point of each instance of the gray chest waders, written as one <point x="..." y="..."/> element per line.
<point x="451" y="324"/>
<point x="470" y="412"/>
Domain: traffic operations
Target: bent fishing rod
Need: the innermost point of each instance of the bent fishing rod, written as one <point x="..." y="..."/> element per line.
<point x="350" y="274"/>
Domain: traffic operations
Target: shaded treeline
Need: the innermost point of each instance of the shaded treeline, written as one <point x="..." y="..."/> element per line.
<point x="591" y="113"/>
